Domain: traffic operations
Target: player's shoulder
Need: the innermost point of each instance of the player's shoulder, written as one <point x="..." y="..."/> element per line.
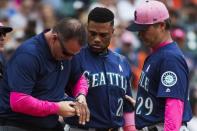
<point x="171" y="54"/>
<point x="119" y="59"/>
<point x="83" y="50"/>
<point x="81" y="53"/>
<point x="117" y="55"/>
<point x="31" y="51"/>
<point x="26" y="49"/>
<point x="28" y="46"/>
<point x="81" y="56"/>
<point x="171" y="51"/>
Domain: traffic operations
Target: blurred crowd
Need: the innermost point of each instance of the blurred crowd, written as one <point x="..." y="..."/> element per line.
<point x="30" y="17"/>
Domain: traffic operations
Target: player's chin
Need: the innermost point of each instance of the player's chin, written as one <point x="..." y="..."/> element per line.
<point x="67" y="57"/>
<point x="64" y="58"/>
<point x="96" y="50"/>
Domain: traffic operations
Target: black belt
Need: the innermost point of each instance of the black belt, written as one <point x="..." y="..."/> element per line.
<point x="6" y="122"/>
<point x="96" y="129"/>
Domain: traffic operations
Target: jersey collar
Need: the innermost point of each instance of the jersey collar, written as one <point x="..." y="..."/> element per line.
<point x="154" y="49"/>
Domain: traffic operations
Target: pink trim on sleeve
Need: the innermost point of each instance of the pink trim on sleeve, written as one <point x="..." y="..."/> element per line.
<point x="81" y="87"/>
<point x="29" y="105"/>
<point x="129" y="121"/>
<point x="173" y="114"/>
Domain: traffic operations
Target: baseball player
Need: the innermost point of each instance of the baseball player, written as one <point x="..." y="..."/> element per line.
<point x="32" y="92"/>
<point x="108" y="76"/>
<point x="3" y="31"/>
<point x="162" y="98"/>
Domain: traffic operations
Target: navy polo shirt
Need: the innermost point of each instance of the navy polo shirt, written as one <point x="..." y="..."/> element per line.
<point x="32" y="70"/>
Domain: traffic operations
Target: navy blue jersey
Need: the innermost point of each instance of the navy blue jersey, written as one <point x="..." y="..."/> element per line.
<point x="164" y="75"/>
<point x="109" y="77"/>
<point x="32" y="70"/>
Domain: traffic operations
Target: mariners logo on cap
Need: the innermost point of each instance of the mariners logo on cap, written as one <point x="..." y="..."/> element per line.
<point x="169" y="78"/>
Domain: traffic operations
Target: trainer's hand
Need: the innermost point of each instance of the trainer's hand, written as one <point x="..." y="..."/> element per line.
<point x="82" y="110"/>
<point x="130" y="99"/>
<point x="66" y="108"/>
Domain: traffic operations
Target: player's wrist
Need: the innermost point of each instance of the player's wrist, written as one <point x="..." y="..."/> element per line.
<point x="81" y="98"/>
<point x="80" y="94"/>
<point x="58" y="106"/>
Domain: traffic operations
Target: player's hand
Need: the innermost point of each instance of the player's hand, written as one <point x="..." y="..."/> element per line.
<point x="130" y="99"/>
<point x="82" y="110"/>
<point x="66" y="108"/>
<point x="81" y="99"/>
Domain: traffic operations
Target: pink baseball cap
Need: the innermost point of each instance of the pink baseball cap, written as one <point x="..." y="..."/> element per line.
<point x="4" y="29"/>
<point x="148" y="13"/>
<point x="178" y="33"/>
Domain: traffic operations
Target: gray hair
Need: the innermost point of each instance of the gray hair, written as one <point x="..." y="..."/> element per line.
<point x="69" y="28"/>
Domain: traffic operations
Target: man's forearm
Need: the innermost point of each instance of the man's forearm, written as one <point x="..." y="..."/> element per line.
<point x="29" y="105"/>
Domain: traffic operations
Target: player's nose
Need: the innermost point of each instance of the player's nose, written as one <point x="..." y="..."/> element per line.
<point x="97" y="39"/>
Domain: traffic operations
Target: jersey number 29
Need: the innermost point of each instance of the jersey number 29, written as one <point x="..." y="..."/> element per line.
<point x="147" y="103"/>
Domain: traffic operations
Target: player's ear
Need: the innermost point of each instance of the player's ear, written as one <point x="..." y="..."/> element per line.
<point x="162" y="26"/>
<point x="54" y="36"/>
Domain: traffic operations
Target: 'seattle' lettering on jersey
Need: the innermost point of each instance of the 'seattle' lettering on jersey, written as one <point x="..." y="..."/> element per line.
<point x="109" y="78"/>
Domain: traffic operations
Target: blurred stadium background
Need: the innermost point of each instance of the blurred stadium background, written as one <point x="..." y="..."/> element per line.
<point x="30" y="17"/>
